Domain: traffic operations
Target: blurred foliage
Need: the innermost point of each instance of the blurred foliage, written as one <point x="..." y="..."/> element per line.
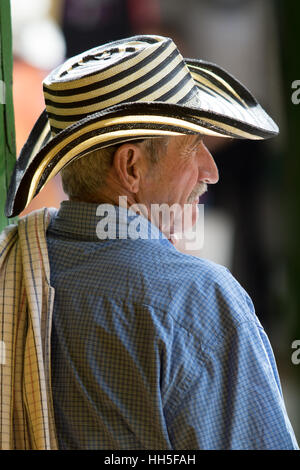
<point x="7" y="125"/>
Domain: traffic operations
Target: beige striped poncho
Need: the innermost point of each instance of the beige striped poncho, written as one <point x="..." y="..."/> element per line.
<point x="26" y="301"/>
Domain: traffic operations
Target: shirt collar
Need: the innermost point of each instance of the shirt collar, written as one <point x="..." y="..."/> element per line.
<point x="97" y="222"/>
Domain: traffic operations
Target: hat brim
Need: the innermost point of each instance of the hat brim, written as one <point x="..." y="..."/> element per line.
<point x="229" y="111"/>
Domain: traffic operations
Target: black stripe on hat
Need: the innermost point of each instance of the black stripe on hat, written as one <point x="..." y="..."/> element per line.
<point x="222" y="103"/>
<point x="220" y="86"/>
<point x="135" y="98"/>
<point x="212" y="92"/>
<point x="98" y="99"/>
<point x="177" y="111"/>
<point x="114" y="78"/>
<point x="188" y="97"/>
<point x="166" y="96"/>
<point x="34" y="136"/>
<point x="240" y="89"/>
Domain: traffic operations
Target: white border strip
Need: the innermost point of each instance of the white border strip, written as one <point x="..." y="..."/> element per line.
<point x="2" y="92"/>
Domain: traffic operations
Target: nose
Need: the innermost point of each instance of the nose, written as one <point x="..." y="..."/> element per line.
<point x="208" y="170"/>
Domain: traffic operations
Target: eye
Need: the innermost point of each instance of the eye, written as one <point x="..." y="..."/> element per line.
<point x="195" y="148"/>
<point x="191" y="150"/>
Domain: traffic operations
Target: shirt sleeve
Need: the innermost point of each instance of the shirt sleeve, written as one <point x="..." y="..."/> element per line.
<point x="236" y="400"/>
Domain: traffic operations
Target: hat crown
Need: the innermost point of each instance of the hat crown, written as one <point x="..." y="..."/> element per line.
<point x="147" y="68"/>
<point x="98" y="59"/>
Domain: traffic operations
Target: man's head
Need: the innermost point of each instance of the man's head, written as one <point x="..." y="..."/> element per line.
<point x="134" y="88"/>
<point x="171" y="171"/>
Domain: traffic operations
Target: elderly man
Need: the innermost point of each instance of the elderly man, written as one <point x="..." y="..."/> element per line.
<point x="150" y="348"/>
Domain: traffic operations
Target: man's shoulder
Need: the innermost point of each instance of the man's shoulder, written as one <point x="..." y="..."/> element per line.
<point x="187" y="272"/>
<point x="199" y="294"/>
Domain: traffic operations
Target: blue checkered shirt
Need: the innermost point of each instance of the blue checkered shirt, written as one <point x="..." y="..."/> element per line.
<point x="152" y="348"/>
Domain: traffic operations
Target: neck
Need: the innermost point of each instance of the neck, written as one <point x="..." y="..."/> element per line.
<point x="122" y="198"/>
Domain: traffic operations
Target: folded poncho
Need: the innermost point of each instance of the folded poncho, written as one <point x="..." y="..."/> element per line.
<point x="26" y="304"/>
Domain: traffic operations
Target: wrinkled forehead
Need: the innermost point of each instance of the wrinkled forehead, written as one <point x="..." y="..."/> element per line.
<point x="187" y="141"/>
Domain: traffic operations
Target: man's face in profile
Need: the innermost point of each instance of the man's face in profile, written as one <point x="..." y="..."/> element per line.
<point x="179" y="179"/>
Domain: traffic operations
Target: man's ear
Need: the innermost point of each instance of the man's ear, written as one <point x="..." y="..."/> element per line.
<point x="127" y="162"/>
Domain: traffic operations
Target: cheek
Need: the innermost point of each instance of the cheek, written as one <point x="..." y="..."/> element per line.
<point x="189" y="173"/>
<point x="179" y="182"/>
<point x="187" y="185"/>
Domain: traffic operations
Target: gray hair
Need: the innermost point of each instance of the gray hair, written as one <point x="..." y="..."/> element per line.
<point x="83" y="177"/>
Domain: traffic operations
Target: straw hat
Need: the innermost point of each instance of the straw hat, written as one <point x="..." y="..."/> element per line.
<point x="134" y="88"/>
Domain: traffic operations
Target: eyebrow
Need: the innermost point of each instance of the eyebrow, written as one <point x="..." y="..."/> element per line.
<point x="198" y="138"/>
<point x="187" y="142"/>
<point x="188" y="147"/>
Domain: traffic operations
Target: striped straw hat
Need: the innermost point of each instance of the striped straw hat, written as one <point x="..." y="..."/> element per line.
<point x="134" y="88"/>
